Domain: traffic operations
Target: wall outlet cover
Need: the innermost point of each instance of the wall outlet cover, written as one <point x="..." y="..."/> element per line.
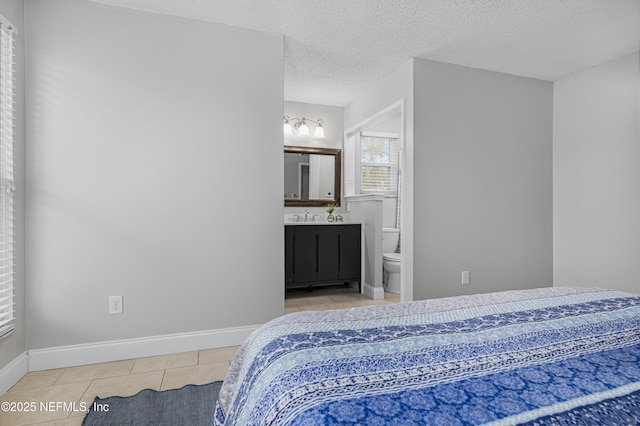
<point x="115" y="305"/>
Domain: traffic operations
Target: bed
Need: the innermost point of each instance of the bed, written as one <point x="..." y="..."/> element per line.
<point x="562" y="355"/>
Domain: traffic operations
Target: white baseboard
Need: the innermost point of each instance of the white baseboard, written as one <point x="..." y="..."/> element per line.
<point x="116" y="350"/>
<point x="14" y="371"/>
<point x="375" y="293"/>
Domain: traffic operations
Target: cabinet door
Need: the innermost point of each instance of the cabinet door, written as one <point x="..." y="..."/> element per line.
<point x="289" y="238"/>
<point x="328" y="252"/>
<point x="304" y="254"/>
<point x="349" y="244"/>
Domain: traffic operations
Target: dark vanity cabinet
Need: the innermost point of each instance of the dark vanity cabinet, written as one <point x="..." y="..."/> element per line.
<point x="321" y="255"/>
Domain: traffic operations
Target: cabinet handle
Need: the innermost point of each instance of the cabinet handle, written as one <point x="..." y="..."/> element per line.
<point x="317" y="257"/>
<point x="294" y="254"/>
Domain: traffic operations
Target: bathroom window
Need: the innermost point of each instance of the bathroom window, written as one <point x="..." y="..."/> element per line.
<point x="378" y="163"/>
<point x="7" y="321"/>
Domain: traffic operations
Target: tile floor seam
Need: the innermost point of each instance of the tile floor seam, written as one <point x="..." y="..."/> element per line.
<point x="164" y="373"/>
<point x="59" y="377"/>
<point x="86" y="390"/>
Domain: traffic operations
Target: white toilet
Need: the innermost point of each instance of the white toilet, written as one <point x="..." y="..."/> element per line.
<point x="390" y="260"/>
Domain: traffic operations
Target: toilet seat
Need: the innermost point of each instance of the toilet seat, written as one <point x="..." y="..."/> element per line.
<point x="393" y="257"/>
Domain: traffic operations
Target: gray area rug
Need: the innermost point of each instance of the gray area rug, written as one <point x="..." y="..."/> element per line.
<point x="189" y="405"/>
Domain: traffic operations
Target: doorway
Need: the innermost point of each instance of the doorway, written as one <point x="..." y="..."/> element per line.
<point x="389" y="122"/>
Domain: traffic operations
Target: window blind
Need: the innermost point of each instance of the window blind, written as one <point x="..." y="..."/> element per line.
<point x="378" y="163"/>
<point x="7" y="188"/>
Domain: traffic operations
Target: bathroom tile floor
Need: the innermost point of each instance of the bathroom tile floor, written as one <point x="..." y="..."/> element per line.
<point x="124" y="378"/>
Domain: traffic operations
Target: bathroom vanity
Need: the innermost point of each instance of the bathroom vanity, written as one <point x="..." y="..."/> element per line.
<point x="322" y="254"/>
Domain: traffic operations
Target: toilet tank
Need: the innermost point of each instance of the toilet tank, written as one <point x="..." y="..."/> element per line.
<point x="390" y="238"/>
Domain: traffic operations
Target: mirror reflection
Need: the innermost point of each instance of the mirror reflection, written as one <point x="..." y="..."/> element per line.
<point x="311" y="176"/>
<point x="308" y="177"/>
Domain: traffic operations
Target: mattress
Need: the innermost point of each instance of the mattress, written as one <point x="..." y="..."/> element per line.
<point x="562" y="355"/>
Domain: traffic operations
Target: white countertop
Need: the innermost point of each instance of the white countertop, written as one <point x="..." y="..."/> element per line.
<point x="348" y="222"/>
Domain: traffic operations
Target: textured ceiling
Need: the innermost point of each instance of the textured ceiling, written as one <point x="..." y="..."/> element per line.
<point x="336" y="48"/>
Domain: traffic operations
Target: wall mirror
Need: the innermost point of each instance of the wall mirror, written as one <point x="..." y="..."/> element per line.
<point x="311" y="176"/>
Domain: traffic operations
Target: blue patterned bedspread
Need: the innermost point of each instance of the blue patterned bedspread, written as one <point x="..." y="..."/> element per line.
<point x="563" y="355"/>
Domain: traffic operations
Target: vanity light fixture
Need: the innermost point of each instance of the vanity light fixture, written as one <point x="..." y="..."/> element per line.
<point x="301" y="126"/>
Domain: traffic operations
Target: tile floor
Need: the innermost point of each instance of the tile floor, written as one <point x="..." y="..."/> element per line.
<point x="80" y="385"/>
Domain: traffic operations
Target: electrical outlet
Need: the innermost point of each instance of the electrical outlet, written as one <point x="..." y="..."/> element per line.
<point x="115" y="305"/>
<point x="465" y="277"/>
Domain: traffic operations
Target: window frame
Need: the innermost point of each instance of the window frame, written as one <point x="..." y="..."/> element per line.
<point x="393" y="164"/>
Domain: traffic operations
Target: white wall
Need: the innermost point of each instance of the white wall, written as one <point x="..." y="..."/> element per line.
<point x="15" y="344"/>
<point x="596" y="170"/>
<point x="132" y="119"/>
<point x="483" y="184"/>
<point x="367" y="209"/>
